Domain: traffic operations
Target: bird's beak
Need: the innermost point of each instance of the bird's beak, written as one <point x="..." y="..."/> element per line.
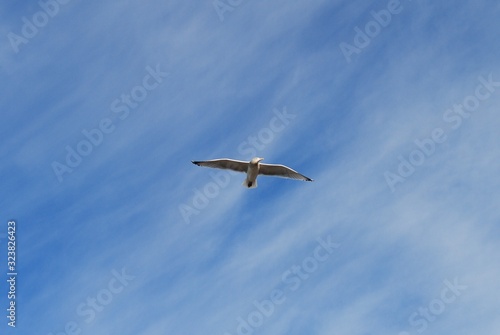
<point x="261" y="159"/>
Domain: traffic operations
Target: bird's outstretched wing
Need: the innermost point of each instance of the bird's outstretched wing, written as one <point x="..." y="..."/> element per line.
<point x="281" y="171"/>
<point x="224" y="163"/>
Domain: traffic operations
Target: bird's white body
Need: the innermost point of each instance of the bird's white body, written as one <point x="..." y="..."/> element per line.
<point x="252" y="173"/>
<point x="253" y="169"/>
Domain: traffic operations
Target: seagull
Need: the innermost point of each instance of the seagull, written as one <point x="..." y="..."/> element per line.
<point x="253" y="169"/>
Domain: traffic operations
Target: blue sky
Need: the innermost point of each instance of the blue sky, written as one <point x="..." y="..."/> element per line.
<point x="105" y="105"/>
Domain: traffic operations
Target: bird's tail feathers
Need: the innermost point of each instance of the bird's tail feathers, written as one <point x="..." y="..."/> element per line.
<point x="250" y="184"/>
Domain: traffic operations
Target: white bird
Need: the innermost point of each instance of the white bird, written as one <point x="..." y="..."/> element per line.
<point x="253" y="169"/>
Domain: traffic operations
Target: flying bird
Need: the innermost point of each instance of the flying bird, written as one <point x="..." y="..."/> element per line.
<point x="253" y="169"/>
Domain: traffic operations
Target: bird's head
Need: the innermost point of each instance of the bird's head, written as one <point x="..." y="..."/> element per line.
<point x="256" y="160"/>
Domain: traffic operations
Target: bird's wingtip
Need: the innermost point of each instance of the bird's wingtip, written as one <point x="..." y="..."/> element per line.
<point x="195" y="162"/>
